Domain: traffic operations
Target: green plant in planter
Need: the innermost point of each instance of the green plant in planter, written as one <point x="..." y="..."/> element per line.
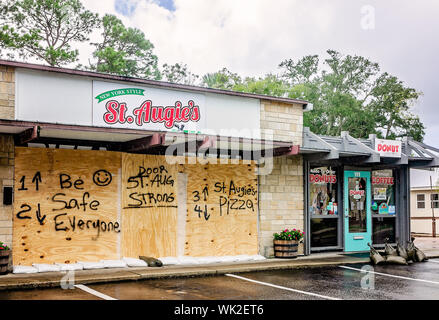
<point x="3" y="247"/>
<point x="289" y="235"/>
<point x="4" y="258"/>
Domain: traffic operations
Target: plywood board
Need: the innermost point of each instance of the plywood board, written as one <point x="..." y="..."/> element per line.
<point x="222" y="204"/>
<point x="149" y="206"/>
<point x="66" y="206"/>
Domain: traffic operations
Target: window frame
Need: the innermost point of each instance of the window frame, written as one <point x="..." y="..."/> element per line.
<point x="436" y="202"/>
<point x="420" y="201"/>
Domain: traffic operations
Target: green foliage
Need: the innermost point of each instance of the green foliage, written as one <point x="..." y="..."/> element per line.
<point x="289" y="235"/>
<point x="45" y="29"/>
<point x="178" y="73"/>
<point x="268" y="85"/>
<point x="391" y="106"/>
<point x="124" y="51"/>
<point x="223" y="79"/>
<point x="301" y="72"/>
<point x="3" y="246"/>
<point x="350" y="94"/>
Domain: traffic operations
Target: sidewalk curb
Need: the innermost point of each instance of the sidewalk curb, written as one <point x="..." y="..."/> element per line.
<point x="52" y="279"/>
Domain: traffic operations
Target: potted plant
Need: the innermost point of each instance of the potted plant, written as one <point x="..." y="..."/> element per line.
<point x="4" y="258"/>
<point x="286" y="243"/>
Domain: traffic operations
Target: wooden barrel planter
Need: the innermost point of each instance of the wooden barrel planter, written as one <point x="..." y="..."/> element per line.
<point x="286" y="249"/>
<point x="4" y="261"/>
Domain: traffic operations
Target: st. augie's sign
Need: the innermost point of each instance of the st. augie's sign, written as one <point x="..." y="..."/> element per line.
<point x="388" y="148"/>
<point x="122" y="106"/>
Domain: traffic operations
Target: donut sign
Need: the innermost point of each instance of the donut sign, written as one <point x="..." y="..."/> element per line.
<point x="388" y="148"/>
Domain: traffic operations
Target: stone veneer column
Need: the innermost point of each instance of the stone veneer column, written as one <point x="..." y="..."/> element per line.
<point x="7" y="103"/>
<point x="281" y="192"/>
<point x="6" y="180"/>
<point x="7" y="92"/>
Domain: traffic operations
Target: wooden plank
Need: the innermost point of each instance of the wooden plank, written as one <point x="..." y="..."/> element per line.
<point x="222" y="210"/>
<point x="149" y="206"/>
<point x="65" y="208"/>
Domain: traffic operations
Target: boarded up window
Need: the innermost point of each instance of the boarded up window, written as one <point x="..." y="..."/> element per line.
<point x="66" y="206"/>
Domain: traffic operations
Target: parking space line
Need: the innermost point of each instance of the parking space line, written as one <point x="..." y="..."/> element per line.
<point x="280" y="287"/>
<point x="389" y="275"/>
<point x="94" y="292"/>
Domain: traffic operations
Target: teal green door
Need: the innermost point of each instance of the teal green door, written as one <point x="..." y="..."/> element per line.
<point x="357" y="211"/>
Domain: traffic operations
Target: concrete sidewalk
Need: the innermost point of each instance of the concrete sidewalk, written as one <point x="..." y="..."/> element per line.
<point x="53" y="279"/>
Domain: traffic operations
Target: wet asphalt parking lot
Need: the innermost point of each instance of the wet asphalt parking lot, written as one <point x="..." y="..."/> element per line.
<point x="388" y="282"/>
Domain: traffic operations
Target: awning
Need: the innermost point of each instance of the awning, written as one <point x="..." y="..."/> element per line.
<point x="362" y="151"/>
<point x="30" y="134"/>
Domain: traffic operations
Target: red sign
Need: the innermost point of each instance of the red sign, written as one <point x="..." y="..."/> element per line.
<point x="356" y="192"/>
<point x="383" y="180"/>
<point x="322" y="178"/>
<point x="116" y="113"/>
<point x="388" y="148"/>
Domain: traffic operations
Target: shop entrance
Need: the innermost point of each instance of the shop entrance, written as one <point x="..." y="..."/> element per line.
<point x="357" y="211"/>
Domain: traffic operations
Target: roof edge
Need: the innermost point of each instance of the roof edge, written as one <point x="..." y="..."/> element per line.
<point x="160" y="84"/>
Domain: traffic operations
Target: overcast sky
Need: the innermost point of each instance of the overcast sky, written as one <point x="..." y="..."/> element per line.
<point x="251" y="37"/>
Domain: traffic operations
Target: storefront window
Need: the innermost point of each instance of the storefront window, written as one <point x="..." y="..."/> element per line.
<point x="383" y="206"/>
<point x="357" y="207"/>
<point x="323" y="191"/>
<point x="383" y="192"/>
<point x="323" y="207"/>
<point x="383" y="228"/>
<point x="324" y="232"/>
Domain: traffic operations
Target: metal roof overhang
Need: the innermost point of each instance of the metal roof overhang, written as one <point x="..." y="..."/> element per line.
<point x="346" y="149"/>
<point x="27" y="133"/>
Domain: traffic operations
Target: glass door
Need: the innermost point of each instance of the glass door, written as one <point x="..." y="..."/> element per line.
<point x="357" y="213"/>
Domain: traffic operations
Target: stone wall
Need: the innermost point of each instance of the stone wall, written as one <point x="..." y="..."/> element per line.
<point x="7" y="92"/>
<point x="281" y="201"/>
<point x="281" y="191"/>
<point x="7" y="103"/>
<point x="283" y="121"/>
<point x="6" y="180"/>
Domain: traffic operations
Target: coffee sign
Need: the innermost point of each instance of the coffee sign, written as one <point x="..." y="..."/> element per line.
<point x="123" y="106"/>
<point x="388" y="148"/>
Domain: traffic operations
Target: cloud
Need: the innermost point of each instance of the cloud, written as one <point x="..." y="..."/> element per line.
<point x="167" y="4"/>
<point x="125" y="7"/>
<point x="251" y="37"/>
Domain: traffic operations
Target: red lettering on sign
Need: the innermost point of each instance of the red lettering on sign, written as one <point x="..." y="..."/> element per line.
<point x="388" y="148"/>
<point x="318" y="178"/>
<point x="383" y="180"/>
<point x="169" y="116"/>
<point x="110" y="116"/>
<point x="356" y="192"/>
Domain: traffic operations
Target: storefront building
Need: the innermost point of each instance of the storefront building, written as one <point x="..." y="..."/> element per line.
<point x="95" y="166"/>
<point x="358" y="190"/>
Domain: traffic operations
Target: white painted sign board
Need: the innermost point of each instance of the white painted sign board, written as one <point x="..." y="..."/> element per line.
<point x="76" y="100"/>
<point x="137" y="107"/>
<point x="388" y="148"/>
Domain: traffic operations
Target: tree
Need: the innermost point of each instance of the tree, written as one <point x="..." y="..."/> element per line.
<point x="391" y="106"/>
<point x="301" y="72"/>
<point x="350" y="94"/>
<point x="45" y="29"/>
<point x="222" y="79"/>
<point x="270" y="84"/>
<point x="178" y="73"/>
<point x="124" y="51"/>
